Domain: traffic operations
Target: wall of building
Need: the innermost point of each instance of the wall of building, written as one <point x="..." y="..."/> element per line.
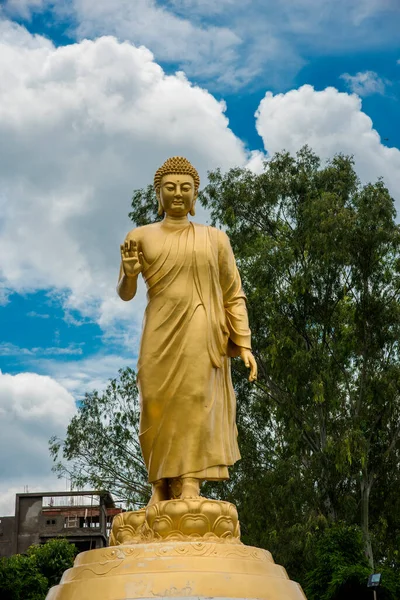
<point x="7" y="536"/>
<point x="28" y="515"/>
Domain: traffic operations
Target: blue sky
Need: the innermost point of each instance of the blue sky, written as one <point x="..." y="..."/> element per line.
<point x="94" y="96"/>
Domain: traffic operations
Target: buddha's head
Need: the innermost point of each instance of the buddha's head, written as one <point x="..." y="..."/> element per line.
<point x="176" y="184"/>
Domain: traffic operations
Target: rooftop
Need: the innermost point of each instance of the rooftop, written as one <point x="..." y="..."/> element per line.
<point x="88" y="494"/>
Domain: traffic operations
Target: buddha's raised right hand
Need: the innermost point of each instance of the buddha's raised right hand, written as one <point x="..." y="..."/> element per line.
<point x="132" y="260"/>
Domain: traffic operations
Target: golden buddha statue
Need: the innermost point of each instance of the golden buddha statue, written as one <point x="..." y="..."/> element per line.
<point x="182" y="545"/>
<point x="195" y="320"/>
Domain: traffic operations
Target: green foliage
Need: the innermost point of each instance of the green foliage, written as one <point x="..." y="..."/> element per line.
<point x="319" y="258"/>
<point x="144" y="207"/>
<point x="29" y="576"/>
<point x="20" y="579"/>
<point x="341" y="568"/>
<point x="53" y="558"/>
<point x="319" y="433"/>
<point x="101" y="448"/>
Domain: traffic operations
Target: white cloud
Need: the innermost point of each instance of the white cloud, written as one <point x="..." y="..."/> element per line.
<point x="35" y="407"/>
<point x="32" y="409"/>
<point x="252" y="38"/>
<point x="87" y="374"/>
<point x="8" y="349"/>
<point x="336" y="19"/>
<point x="329" y="122"/>
<point x="203" y="7"/>
<point x="81" y="127"/>
<point x="24" y="8"/>
<point x="172" y="38"/>
<point x="20" y="485"/>
<point x="35" y="400"/>
<point x="230" y="43"/>
<point x="365" y="9"/>
<point x="7" y="501"/>
<point x="365" y="83"/>
<point x="256" y="162"/>
<point x="34" y="314"/>
<point x="183" y="34"/>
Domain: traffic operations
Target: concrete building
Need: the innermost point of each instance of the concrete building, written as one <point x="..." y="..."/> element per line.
<point x="84" y="518"/>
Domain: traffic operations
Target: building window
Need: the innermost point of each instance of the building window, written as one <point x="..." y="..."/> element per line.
<point x="71" y="522"/>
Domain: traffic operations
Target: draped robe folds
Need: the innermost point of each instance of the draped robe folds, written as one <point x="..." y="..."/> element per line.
<point x="195" y="319"/>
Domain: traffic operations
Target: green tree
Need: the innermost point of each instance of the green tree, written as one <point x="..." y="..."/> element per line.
<point x="319" y="256"/>
<point x="101" y="447"/>
<point x="53" y="558"/>
<point x="29" y="576"/>
<point x="341" y="567"/>
<point x="20" y="579"/>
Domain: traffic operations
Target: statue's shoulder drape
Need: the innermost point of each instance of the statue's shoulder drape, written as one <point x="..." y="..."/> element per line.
<point x="195" y="319"/>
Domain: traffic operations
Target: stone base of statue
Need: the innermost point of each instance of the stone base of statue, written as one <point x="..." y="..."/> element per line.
<point x="177" y="549"/>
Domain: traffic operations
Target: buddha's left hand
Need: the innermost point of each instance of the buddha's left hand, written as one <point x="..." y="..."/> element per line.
<point x="250" y="362"/>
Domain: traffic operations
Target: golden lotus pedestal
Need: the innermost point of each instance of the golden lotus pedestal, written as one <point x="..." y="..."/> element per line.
<point x="177" y="549"/>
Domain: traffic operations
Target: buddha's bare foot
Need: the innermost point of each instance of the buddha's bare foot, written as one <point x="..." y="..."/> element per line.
<point x="190" y="487"/>
<point x="159" y="492"/>
<point x="175" y="488"/>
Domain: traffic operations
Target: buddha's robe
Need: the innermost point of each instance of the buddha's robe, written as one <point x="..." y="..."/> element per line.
<point x="195" y="319"/>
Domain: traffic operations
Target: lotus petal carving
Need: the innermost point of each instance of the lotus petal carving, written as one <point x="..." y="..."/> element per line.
<point x="208" y="520"/>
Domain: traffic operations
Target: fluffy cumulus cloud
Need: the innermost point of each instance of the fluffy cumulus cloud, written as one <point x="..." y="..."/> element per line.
<point x="365" y="83"/>
<point x="218" y="42"/>
<point x="231" y="42"/>
<point x="81" y="127"/>
<point x="32" y="409"/>
<point x="173" y="38"/>
<point x="329" y="122"/>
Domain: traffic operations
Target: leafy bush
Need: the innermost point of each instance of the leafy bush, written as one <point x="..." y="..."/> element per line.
<point x="53" y="558"/>
<point x="30" y="576"/>
<point x="341" y="568"/>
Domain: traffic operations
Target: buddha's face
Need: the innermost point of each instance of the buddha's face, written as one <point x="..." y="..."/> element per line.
<point x="177" y="194"/>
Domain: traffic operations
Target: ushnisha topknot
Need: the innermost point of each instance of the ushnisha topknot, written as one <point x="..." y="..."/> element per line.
<point x="177" y="165"/>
